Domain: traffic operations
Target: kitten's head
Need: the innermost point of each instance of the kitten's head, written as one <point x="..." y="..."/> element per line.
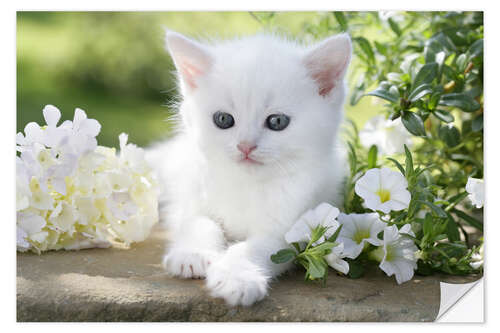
<point x="262" y="101"/>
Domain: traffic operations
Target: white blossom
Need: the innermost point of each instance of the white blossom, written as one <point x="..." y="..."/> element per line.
<point x="478" y="258"/>
<point x="324" y="214"/>
<point x="389" y="136"/>
<point x="383" y="190"/>
<point x="121" y="205"/>
<point x="397" y="255"/>
<point x="335" y="259"/>
<point x="31" y="226"/>
<point x="358" y="230"/>
<point x="73" y="194"/>
<point x="475" y="188"/>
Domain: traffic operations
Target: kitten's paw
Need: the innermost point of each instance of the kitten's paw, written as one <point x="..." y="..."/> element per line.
<point x="241" y="284"/>
<point x="188" y="263"/>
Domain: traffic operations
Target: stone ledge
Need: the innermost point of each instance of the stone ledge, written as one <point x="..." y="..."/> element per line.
<point x="130" y="285"/>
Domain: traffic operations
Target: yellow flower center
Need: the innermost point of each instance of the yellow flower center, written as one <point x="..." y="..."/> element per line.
<point x="390" y="255"/>
<point x="360" y="235"/>
<point x="384" y="195"/>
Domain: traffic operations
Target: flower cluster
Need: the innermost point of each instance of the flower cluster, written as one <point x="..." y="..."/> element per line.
<point x="73" y="194"/>
<point x="324" y="236"/>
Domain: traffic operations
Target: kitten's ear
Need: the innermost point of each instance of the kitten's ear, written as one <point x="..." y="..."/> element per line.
<point x="327" y="62"/>
<point x="191" y="59"/>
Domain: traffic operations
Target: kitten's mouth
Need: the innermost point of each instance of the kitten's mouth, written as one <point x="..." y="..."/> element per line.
<point x="248" y="159"/>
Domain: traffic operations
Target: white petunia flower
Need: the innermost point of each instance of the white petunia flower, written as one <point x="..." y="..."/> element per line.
<point x="388" y="135"/>
<point x="478" y="258"/>
<point x="324" y="214"/>
<point x="397" y="255"/>
<point x="383" y="190"/>
<point x="335" y="259"/>
<point x="475" y="188"/>
<point x="358" y="230"/>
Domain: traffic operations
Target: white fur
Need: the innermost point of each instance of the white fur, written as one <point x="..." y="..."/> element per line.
<point x="227" y="217"/>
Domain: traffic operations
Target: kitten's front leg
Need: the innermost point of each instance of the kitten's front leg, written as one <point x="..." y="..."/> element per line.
<point x="241" y="276"/>
<point x="196" y="244"/>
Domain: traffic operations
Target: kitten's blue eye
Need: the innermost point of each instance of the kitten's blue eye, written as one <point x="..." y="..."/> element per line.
<point x="277" y="122"/>
<point x="223" y="120"/>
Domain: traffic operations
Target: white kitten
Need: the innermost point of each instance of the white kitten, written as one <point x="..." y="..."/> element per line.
<point x="257" y="146"/>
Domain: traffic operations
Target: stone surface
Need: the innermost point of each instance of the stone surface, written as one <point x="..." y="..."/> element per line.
<point x="130" y="285"/>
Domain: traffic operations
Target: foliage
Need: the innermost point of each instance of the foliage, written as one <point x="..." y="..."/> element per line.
<point x="427" y="69"/>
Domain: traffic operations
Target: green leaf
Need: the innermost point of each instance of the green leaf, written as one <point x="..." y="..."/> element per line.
<point x="438" y="210"/>
<point x="372" y="157"/>
<point x="381" y="47"/>
<point x="283" y="256"/>
<point x="452" y="229"/>
<point x="420" y="91"/>
<point x="317" y="233"/>
<point x="321" y="248"/>
<point x="366" y="47"/>
<point x="394" y="26"/>
<point x="340" y="17"/>
<point x="468" y="219"/>
<point x="356" y="270"/>
<point x="476" y="49"/>
<point x="443" y="115"/>
<point x="413" y="123"/>
<point x="434" y="100"/>
<point x="408" y="162"/>
<point x="426" y="74"/>
<point x="477" y="123"/>
<point x="398" y="165"/>
<point x="450" y="135"/>
<point x="461" y="62"/>
<point x="387" y="94"/>
<point x="461" y="101"/>
<point x="316" y="267"/>
<point x="334" y="237"/>
<point x="427" y="227"/>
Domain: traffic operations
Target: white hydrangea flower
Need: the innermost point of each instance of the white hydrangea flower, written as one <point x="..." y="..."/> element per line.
<point x="335" y="259"/>
<point x="73" y="194"/>
<point x="383" y="190"/>
<point x="389" y="136"/>
<point x="23" y="192"/>
<point x="324" y="214"/>
<point x="40" y="199"/>
<point x="121" y="205"/>
<point x="86" y="210"/>
<point x="397" y="255"/>
<point x="358" y="230"/>
<point x="475" y="188"/>
<point x="63" y="218"/>
<point x="30" y="226"/>
<point x="132" y="156"/>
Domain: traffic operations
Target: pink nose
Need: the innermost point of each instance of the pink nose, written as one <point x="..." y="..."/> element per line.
<point x="246" y="147"/>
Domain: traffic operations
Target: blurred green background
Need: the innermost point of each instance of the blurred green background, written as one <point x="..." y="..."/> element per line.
<point x="114" y="65"/>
